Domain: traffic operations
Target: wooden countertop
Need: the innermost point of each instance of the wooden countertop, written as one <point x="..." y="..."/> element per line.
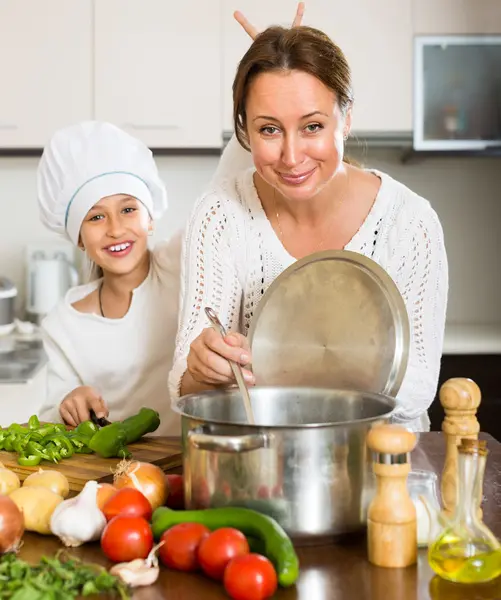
<point x="339" y="571"/>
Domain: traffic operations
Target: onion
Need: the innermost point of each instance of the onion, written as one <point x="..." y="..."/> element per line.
<point x="11" y="525"/>
<point x="145" y="477"/>
<point x="104" y="492"/>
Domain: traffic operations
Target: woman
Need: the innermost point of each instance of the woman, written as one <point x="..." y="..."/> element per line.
<point x="292" y="109"/>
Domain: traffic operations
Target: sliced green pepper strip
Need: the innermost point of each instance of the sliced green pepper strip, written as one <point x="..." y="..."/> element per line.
<point x="9" y="442"/>
<point x="53" y="452"/>
<point x="60" y="427"/>
<point x="29" y="461"/>
<point x="33" y="422"/>
<point x="64" y="445"/>
<point x="46" y="430"/>
<point x="15" y="428"/>
<point x="34" y="448"/>
<point x="20" y="443"/>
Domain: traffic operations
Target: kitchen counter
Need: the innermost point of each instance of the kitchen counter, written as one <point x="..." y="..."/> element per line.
<point x="338" y="571"/>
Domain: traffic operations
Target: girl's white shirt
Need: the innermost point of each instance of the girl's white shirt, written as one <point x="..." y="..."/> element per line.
<point x="127" y="360"/>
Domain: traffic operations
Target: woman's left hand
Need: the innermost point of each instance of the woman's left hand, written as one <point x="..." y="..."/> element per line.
<point x="252" y="32"/>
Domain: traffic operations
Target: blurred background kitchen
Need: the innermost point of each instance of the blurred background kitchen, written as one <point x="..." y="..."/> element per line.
<point x="427" y="111"/>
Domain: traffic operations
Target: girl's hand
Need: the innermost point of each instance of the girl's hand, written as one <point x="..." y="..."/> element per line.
<point x="252" y="31"/>
<point x="209" y="355"/>
<point x="75" y="408"/>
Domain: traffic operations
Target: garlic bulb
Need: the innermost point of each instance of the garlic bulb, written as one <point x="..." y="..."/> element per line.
<point x="79" y="520"/>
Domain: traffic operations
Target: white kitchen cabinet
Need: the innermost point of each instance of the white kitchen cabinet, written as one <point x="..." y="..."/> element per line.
<point x="157" y="70"/>
<point x="436" y="17"/>
<point x="375" y="36"/>
<point x="46" y="68"/>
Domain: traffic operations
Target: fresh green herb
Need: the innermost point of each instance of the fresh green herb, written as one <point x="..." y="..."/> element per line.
<point x="59" y="578"/>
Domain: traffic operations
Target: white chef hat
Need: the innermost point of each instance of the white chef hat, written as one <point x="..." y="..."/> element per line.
<point x="91" y="160"/>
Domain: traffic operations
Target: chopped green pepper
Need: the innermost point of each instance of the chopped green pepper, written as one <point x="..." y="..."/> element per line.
<point x="29" y="461"/>
<point x="33" y="422"/>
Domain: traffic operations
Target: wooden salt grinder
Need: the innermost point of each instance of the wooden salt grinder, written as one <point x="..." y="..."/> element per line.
<point x="391" y="518"/>
<point x="460" y="398"/>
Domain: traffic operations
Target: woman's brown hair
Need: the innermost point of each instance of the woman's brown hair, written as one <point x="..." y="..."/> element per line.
<point x="301" y="48"/>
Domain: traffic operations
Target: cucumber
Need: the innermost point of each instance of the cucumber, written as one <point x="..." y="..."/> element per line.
<point x="277" y="544"/>
<point x="146" y="421"/>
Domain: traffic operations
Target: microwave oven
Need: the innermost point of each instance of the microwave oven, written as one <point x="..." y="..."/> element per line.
<point x="457" y="92"/>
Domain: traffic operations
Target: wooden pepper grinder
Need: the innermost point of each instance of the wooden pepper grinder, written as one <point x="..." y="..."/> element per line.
<point x="391" y="518"/>
<point x="460" y="398"/>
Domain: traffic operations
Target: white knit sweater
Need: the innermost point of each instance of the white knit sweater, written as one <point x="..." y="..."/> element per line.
<point x="231" y="255"/>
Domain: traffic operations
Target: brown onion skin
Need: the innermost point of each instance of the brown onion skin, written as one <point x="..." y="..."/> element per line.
<point x="155" y="492"/>
<point x="11" y="525"/>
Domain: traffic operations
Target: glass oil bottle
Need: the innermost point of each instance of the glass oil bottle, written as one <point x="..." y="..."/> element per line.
<point x="467" y="551"/>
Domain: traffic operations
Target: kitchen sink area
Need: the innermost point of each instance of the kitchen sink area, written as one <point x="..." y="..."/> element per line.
<point x="20" y="359"/>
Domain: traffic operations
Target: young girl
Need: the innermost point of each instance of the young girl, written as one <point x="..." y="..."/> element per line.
<point x="109" y="342"/>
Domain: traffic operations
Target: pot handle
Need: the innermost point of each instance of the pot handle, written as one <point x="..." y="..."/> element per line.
<point x="227" y="443"/>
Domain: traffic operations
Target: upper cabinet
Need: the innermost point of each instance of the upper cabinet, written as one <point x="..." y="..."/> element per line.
<point x="375" y="36"/>
<point x="46" y="68"/>
<point x="157" y="70"/>
<point x="436" y="17"/>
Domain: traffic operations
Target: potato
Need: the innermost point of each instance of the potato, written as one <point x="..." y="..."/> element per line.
<point x="9" y="481"/>
<point x="37" y="505"/>
<point x="51" y="479"/>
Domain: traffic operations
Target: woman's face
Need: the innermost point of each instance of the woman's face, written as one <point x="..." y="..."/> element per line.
<point x="114" y="233"/>
<point x="295" y="130"/>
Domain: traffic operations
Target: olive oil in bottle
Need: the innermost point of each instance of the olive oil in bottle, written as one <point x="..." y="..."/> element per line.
<point x="467" y="551"/>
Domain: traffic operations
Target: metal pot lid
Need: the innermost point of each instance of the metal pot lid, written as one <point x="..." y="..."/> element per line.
<point x="334" y="319"/>
<point x="7" y="288"/>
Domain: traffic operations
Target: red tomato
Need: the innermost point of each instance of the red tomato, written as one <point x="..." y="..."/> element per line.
<point x="127" y="502"/>
<point x="175" y="498"/>
<point x="250" y="577"/>
<point x="181" y="542"/>
<point x="127" y="538"/>
<point x="216" y="550"/>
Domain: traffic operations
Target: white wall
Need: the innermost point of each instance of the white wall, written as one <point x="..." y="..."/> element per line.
<point x="465" y="193"/>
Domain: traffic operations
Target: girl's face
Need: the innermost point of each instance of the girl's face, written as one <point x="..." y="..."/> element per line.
<point x="295" y="130"/>
<point x="114" y="233"/>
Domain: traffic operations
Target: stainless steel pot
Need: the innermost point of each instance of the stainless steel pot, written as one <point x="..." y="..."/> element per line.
<point x="304" y="462"/>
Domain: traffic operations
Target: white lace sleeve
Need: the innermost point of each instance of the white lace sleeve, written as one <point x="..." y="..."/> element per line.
<point x="208" y="277"/>
<point x="420" y="271"/>
<point x="233" y="160"/>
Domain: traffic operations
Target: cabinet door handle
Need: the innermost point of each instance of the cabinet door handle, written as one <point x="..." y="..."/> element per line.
<point x="8" y="126"/>
<point x="147" y="126"/>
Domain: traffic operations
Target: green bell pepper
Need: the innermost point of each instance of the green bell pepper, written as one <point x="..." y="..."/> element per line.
<point x="110" y="441"/>
<point x="86" y="429"/>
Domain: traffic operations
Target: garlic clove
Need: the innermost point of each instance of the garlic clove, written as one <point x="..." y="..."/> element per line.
<point x="139" y="572"/>
<point x="136" y="573"/>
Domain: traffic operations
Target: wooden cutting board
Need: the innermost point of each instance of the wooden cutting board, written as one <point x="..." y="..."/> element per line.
<point x="80" y="468"/>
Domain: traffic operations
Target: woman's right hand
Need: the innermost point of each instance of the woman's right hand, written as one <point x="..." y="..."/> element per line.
<point x="209" y="354"/>
<point x="76" y="406"/>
